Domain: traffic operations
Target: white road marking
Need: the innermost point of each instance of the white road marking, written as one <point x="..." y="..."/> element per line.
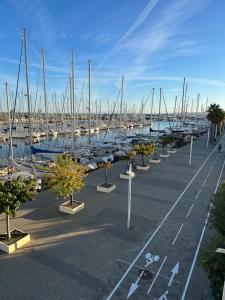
<point x="156" y="276"/>
<point x="187" y="215"/>
<point x="174" y="241"/>
<point x="134" y="286"/>
<point x="204" y="182"/>
<point x="158" y="228"/>
<point x="200" y="240"/>
<point x="199" y="192"/>
<point x="174" y="272"/>
<point x="208" y="174"/>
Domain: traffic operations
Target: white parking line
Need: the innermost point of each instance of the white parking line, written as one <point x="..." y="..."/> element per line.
<point x="174" y="241"/>
<point x="204" y="182"/>
<point x="157" y="274"/>
<point x="187" y="215"/>
<point x="199" y="192"/>
<point x="208" y="174"/>
<point x="158" y="228"/>
<point x="200" y="240"/>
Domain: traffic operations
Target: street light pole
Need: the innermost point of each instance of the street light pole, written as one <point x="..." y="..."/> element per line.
<point x="191" y="150"/>
<point x="129" y="196"/>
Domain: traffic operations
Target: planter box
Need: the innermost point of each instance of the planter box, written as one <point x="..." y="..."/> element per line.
<point x="72" y="210"/>
<point x="155" y="161"/>
<point x="164" y="155"/>
<point x="106" y="188"/>
<point x="143" y="168"/>
<point x="19" y="239"/>
<point x="126" y="176"/>
<point x="172" y="151"/>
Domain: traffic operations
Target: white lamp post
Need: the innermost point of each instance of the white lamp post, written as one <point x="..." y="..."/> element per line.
<point x="191" y="150"/>
<point x="130" y="174"/>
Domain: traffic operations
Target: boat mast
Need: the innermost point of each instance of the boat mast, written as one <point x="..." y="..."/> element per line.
<point x="160" y="99"/>
<point x="174" y="111"/>
<point x="182" y="100"/>
<point x="152" y="102"/>
<point x="73" y="101"/>
<point x="89" y="101"/>
<point x="27" y="84"/>
<point x="121" y="103"/>
<point x="45" y="96"/>
<point x="9" y="121"/>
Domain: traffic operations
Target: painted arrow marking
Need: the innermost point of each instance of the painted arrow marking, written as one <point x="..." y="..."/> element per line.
<point x="174" y="271"/>
<point x="135" y="285"/>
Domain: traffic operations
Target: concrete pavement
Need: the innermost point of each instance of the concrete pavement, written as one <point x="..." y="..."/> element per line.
<point x="92" y="256"/>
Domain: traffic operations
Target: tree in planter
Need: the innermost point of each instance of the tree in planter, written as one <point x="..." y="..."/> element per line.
<point x="129" y="157"/>
<point x="144" y="150"/>
<point x="212" y="262"/>
<point x="13" y="194"/>
<point x="166" y="140"/>
<point x="65" y="177"/>
<point x="105" y="165"/>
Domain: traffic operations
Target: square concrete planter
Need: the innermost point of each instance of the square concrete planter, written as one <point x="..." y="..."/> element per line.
<point x="155" y="161"/>
<point x="126" y="176"/>
<point x="72" y="210"/>
<point x="164" y="155"/>
<point x="171" y="151"/>
<point x="143" y="168"/>
<point x="106" y="188"/>
<point x="18" y="240"/>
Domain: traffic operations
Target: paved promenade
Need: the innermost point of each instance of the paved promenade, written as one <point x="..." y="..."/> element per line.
<point x="92" y="256"/>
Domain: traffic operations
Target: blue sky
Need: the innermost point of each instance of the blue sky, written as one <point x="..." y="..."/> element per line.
<point x="152" y="43"/>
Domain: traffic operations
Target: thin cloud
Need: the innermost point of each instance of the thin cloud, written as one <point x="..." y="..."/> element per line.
<point x="141" y="18"/>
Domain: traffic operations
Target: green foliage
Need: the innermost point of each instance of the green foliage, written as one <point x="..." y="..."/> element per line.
<point x="65" y="175"/>
<point x="167" y="139"/>
<point x="144" y="149"/>
<point x="105" y="165"/>
<point x="212" y="262"/>
<point x="218" y="211"/>
<point x="129" y="156"/>
<point x="14" y="193"/>
<point x="215" y="113"/>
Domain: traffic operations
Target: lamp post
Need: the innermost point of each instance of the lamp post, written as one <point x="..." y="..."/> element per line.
<point x="130" y="174"/>
<point x="191" y="150"/>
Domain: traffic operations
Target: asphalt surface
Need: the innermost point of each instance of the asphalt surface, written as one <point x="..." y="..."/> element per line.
<point x="91" y="255"/>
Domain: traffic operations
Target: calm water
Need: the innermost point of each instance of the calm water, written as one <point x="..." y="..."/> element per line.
<point x="21" y="150"/>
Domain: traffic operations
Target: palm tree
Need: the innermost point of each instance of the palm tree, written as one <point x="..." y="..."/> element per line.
<point x="65" y="176"/>
<point x="13" y="194"/>
<point x="216" y="116"/>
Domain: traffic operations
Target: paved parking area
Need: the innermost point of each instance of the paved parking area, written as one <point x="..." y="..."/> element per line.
<point x="91" y="255"/>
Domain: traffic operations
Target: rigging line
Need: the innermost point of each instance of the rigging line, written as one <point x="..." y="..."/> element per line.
<point x="166" y="110"/>
<point x="112" y="112"/>
<point x="37" y="89"/>
<point x="17" y="84"/>
<point x="67" y="85"/>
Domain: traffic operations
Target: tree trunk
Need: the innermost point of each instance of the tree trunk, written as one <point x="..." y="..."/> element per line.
<point x="143" y="163"/>
<point x="71" y="199"/>
<point x="8" y="227"/>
